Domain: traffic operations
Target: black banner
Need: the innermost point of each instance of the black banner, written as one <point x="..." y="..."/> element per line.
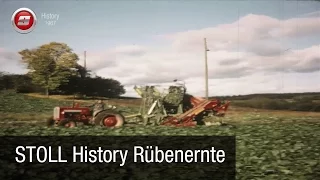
<point x="117" y="157"/>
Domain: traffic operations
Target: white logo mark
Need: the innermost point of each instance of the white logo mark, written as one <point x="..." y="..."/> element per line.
<point x="23" y="21"/>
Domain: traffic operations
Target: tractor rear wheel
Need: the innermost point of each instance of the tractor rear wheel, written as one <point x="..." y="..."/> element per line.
<point x="109" y="119"/>
<point x="50" y="122"/>
<point x="68" y="123"/>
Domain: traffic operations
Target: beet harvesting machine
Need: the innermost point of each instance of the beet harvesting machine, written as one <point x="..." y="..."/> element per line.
<point x="172" y="108"/>
<point x="175" y="107"/>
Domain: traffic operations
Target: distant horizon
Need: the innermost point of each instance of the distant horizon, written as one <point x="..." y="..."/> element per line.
<point x="261" y="93"/>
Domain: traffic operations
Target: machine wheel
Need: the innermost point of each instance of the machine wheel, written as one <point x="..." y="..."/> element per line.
<point x="50" y="122"/>
<point x="109" y="119"/>
<point x="68" y="123"/>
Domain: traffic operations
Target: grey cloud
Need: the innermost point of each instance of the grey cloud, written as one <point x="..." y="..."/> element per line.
<point x="311" y="14"/>
<point x="235" y="72"/>
<point x="266" y="48"/>
<point x="247" y="30"/>
<point x="102" y="64"/>
<point x="268" y="51"/>
<point x="10" y="62"/>
<point x="134" y="53"/>
<point x="277" y="69"/>
<point x="112" y="57"/>
<point x="7" y="56"/>
<point x="229" y="62"/>
<point x="96" y="62"/>
<point x="166" y="76"/>
<point x="132" y="50"/>
<point x="158" y="77"/>
<point x="312" y="65"/>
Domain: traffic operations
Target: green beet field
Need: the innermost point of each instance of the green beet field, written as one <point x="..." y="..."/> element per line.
<point x="269" y="144"/>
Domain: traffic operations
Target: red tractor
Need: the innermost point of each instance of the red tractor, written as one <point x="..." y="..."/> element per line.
<point x="71" y="116"/>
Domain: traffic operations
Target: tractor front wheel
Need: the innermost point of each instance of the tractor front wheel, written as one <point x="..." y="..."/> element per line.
<point x="68" y="123"/>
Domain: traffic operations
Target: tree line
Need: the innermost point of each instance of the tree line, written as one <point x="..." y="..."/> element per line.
<point x="53" y="69"/>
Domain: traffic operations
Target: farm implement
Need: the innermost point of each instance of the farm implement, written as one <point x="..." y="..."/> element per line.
<point x="176" y="107"/>
<point x="172" y="108"/>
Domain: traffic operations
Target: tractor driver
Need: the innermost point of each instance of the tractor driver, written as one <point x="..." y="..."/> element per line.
<point x="97" y="107"/>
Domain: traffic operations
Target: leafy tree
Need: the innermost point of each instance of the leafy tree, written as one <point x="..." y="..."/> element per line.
<point x="50" y="65"/>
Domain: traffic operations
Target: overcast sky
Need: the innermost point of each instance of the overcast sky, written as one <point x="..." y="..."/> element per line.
<point x="255" y="46"/>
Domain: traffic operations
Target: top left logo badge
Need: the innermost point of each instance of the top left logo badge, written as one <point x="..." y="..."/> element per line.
<point x="24" y="20"/>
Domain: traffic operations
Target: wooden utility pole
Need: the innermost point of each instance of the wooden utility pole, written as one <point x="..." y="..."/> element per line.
<point x="85" y="60"/>
<point x="206" y="67"/>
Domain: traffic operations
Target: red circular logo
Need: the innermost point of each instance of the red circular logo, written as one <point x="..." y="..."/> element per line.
<point x="24" y="20"/>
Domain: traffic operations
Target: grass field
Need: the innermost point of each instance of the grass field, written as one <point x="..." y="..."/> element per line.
<point x="270" y="144"/>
